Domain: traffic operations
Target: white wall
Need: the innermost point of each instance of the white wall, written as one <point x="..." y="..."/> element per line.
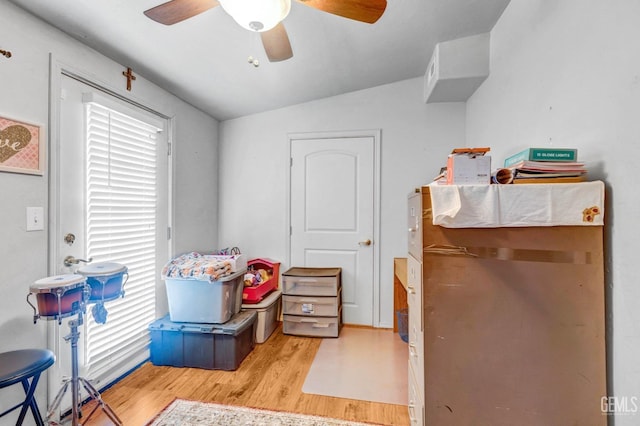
<point x="567" y="73"/>
<point x="195" y="184"/>
<point x="254" y="163"/>
<point x="24" y="95"/>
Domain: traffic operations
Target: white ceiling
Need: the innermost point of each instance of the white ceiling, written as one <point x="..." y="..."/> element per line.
<point x="204" y="60"/>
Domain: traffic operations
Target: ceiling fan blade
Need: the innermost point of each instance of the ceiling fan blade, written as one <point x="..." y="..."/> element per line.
<point x="276" y="44"/>
<point x="368" y="11"/>
<point x="175" y="11"/>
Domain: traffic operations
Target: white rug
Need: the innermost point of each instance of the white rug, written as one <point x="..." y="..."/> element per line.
<point x="191" y="413"/>
<point x="364" y="364"/>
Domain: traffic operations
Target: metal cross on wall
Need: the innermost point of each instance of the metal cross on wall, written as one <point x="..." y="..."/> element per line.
<point x="130" y="77"/>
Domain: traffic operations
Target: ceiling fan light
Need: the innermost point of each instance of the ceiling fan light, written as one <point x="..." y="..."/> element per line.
<point x="257" y="15"/>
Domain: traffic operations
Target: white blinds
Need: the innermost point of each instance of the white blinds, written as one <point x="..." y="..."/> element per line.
<point x="121" y="199"/>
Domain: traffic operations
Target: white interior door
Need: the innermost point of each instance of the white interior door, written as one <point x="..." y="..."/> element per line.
<point x="90" y="192"/>
<point x="333" y="215"/>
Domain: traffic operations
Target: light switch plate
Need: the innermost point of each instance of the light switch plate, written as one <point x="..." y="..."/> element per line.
<point x="35" y="218"/>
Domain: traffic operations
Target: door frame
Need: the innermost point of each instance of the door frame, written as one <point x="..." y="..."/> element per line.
<point x="375" y="134"/>
<point x="57" y="70"/>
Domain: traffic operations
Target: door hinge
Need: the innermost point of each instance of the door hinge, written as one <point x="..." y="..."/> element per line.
<point x="291" y="162"/>
<point x="168" y="232"/>
<point x="291" y="230"/>
<point x="168" y="148"/>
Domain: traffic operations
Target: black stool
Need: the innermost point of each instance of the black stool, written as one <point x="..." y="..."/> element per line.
<point x="20" y="366"/>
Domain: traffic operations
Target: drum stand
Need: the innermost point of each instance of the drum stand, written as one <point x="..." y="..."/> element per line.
<point x="75" y="381"/>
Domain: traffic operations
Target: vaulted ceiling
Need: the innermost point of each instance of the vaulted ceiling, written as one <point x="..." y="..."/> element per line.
<point x="205" y="59"/>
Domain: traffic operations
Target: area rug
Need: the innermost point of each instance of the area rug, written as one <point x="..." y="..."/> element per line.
<point x="190" y="413"/>
<point x="364" y="364"/>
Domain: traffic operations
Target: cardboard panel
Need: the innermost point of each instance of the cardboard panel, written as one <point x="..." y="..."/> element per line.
<point x="514" y="325"/>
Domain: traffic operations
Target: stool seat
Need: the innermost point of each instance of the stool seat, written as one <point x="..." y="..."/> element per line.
<point x="17" y="365"/>
<point x="20" y="366"/>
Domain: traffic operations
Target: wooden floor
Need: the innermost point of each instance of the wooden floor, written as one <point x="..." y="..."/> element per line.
<point x="270" y="377"/>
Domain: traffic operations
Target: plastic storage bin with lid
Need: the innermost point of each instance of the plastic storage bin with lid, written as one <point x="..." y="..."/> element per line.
<point x="268" y="310"/>
<point x="204" y="288"/>
<point x="208" y="346"/>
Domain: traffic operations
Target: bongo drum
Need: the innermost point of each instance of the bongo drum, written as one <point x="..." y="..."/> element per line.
<point x="106" y="280"/>
<point x="58" y="296"/>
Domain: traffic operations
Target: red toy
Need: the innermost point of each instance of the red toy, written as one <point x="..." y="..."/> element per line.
<point x="261" y="278"/>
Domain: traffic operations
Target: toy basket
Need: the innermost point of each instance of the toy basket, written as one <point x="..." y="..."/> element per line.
<point x="254" y="293"/>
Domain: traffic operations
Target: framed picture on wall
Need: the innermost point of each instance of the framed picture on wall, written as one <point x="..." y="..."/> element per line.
<point x="21" y="147"/>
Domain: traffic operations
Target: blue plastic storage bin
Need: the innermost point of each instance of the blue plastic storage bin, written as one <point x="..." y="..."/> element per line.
<point x="203" y="345"/>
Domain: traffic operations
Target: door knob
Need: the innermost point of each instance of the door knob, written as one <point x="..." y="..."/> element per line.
<point x="366" y="242"/>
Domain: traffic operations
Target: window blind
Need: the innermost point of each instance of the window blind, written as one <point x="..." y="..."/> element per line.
<point x="121" y="199"/>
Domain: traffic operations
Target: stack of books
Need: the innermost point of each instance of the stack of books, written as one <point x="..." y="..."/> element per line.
<point x="546" y="165"/>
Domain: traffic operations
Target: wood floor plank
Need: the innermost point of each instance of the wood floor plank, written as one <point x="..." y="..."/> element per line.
<point x="270" y="377"/>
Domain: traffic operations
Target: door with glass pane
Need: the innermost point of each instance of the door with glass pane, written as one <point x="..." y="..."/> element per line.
<point x="110" y="190"/>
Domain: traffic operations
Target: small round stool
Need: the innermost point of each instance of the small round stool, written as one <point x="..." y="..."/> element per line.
<point x="20" y="366"/>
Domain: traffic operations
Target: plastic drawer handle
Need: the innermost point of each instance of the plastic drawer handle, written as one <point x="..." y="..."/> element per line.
<point x="308" y="301"/>
<point x="320" y="325"/>
<point x="411" y="289"/>
<point x="308" y="320"/>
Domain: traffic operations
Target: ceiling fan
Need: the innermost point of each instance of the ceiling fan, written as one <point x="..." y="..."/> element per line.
<point x="265" y="16"/>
